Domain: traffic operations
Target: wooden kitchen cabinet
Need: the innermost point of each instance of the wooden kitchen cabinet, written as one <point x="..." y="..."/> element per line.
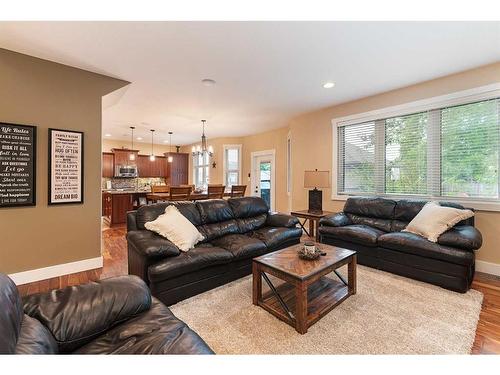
<point x="122" y="156"/>
<point x="179" y="168"/>
<point x="148" y="168"/>
<point x="108" y="164"/>
<point x="106" y="206"/>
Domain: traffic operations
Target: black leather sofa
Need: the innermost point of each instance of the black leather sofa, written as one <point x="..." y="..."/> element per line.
<point x="373" y="227"/>
<point x="235" y="230"/>
<point x="112" y="316"/>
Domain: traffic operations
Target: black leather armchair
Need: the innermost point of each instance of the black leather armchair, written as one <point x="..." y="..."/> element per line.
<point x="113" y="316"/>
<point x="373" y="227"/>
<point x="235" y="230"/>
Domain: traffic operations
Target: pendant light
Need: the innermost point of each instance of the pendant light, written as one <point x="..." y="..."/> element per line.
<point x="132" y="155"/>
<point x="203" y="149"/>
<point x="170" y="158"/>
<point x="152" y="156"/>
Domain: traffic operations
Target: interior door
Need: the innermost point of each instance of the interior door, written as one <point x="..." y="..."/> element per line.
<point x="262" y="181"/>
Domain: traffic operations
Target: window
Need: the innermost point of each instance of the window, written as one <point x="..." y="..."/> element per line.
<point x="450" y="152"/>
<point x="201" y="170"/>
<point x="232" y="165"/>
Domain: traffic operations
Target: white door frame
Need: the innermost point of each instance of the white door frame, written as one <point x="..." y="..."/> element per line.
<point x="272" y="155"/>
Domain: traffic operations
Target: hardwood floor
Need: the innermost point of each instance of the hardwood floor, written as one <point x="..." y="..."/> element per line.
<point x="114" y="250"/>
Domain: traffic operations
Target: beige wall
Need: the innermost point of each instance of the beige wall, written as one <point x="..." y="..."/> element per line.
<point x="271" y="140"/>
<point x="143" y="147"/>
<point x="312" y="141"/>
<point x="46" y="94"/>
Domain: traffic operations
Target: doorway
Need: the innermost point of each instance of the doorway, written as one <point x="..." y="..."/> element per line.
<point x="263" y="176"/>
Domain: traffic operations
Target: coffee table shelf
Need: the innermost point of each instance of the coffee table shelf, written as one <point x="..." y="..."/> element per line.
<point x="322" y="296"/>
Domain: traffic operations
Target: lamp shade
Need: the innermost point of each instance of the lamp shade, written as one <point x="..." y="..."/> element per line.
<point x="316" y="179"/>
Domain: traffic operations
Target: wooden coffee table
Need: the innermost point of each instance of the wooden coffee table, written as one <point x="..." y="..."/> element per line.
<point x="307" y="294"/>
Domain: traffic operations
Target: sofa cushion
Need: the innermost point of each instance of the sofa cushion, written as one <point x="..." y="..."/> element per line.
<point x="464" y="237"/>
<point x="152" y="245"/>
<point x="335" y="220"/>
<point x="249" y="224"/>
<point x="214" y="211"/>
<point x="193" y="260"/>
<point x="216" y="230"/>
<point x="76" y="315"/>
<point x="157" y="331"/>
<point x="371" y="207"/>
<point x="374" y="222"/>
<point x="34" y="338"/>
<point x="248" y="206"/>
<point x="149" y="213"/>
<point x="11" y="315"/>
<point x="189" y="211"/>
<point x="407" y="209"/>
<point x="433" y="220"/>
<point x="275" y="236"/>
<point x="175" y="227"/>
<point x="241" y="246"/>
<point x="414" y="244"/>
<point x="361" y="234"/>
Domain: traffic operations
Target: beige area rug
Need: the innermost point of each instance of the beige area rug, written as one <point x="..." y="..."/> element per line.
<point x="388" y="315"/>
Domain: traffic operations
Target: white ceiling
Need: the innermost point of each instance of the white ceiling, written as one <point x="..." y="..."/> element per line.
<point x="266" y="72"/>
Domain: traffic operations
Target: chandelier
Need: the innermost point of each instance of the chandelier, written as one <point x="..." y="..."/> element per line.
<point x="203" y="149"/>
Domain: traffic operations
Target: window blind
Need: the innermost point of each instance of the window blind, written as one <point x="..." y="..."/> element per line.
<point x="442" y="152"/>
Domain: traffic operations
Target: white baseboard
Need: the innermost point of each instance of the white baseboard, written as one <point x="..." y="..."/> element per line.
<point x="487" y="267"/>
<point x="57" y="270"/>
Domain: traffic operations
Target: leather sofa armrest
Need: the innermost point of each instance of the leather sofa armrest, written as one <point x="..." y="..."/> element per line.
<point x="151" y="245"/>
<point x="131" y="223"/>
<point x="335" y="220"/>
<point x="462" y="236"/>
<point x="76" y="315"/>
<point x="281" y="220"/>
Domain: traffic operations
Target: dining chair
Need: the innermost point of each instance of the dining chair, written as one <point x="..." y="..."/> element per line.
<point x="216" y="191"/>
<point x="159" y="188"/>
<point x="189" y="186"/>
<point x="214" y="185"/>
<point x="178" y="193"/>
<point x="238" y="191"/>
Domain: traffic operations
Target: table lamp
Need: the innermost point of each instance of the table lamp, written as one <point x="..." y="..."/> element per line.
<point x="316" y="179"/>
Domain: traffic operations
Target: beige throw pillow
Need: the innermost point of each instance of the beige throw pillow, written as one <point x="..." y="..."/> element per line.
<point x="176" y="228"/>
<point x="433" y="220"/>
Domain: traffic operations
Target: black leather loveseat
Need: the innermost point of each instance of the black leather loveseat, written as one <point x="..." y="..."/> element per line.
<point x="112" y="316"/>
<point x="372" y="227"/>
<point x="235" y="230"/>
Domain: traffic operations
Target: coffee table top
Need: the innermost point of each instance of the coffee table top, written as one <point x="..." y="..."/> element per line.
<point x="288" y="261"/>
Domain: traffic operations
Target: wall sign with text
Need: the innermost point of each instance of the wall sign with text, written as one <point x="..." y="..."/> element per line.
<point x="65" y="166"/>
<point x="17" y="165"/>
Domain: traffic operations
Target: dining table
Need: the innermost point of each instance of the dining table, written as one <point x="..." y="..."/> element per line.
<point x="195" y="196"/>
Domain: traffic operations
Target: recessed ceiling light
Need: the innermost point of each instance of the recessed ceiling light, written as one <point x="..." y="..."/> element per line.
<point x="328" y="85"/>
<point x="107" y="135"/>
<point x="139" y="138"/>
<point x="208" y="82"/>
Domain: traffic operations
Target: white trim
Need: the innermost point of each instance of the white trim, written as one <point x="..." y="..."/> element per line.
<point x="255" y="154"/>
<point x="487" y="267"/>
<point x="224" y="164"/>
<point x="57" y="270"/>
<point x="457" y="98"/>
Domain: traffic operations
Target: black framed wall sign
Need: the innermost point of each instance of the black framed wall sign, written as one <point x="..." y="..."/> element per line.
<point x="17" y="165"/>
<point x="65" y="166"/>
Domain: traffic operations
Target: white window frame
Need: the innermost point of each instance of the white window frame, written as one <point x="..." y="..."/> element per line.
<point x="457" y="98"/>
<point x="196" y="167"/>
<point x="224" y="161"/>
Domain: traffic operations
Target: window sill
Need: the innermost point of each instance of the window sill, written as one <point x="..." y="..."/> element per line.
<point x="476" y="205"/>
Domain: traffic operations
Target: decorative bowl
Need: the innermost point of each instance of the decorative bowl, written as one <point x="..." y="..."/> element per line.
<point x="309" y="256"/>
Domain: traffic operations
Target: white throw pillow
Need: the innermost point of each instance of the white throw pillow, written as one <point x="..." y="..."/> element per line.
<point x="176" y="228"/>
<point x="434" y="219"/>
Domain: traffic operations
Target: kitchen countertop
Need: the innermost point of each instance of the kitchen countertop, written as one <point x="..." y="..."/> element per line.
<point x="126" y="191"/>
